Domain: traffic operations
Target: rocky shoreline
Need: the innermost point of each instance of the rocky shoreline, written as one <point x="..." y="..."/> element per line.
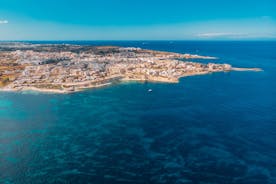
<point x="71" y="68"/>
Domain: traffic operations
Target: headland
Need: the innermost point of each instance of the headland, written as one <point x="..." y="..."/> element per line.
<point x="65" y="68"/>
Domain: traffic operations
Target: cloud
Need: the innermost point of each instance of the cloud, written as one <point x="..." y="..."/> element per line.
<point x="245" y="29"/>
<point x="221" y="34"/>
<point x="4" y="22"/>
<point x="265" y="17"/>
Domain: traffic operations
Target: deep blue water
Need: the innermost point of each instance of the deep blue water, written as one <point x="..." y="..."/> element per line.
<point x="218" y="128"/>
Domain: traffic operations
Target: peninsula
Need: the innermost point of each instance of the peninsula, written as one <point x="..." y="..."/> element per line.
<point x="64" y="68"/>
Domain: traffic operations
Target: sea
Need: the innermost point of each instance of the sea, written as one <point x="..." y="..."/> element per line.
<point x="210" y="129"/>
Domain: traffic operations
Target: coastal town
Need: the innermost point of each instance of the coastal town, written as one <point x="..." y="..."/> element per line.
<point x="64" y="68"/>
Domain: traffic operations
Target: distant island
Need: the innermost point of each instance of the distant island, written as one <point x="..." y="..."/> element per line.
<point x="64" y="68"/>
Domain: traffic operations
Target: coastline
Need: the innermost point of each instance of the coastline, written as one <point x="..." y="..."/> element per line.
<point x="73" y="68"/>
<point x="108" y="82"/>
<point x="52" y="91"/>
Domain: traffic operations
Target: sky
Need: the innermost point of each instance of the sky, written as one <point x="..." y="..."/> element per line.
<point x="138" y="20"/>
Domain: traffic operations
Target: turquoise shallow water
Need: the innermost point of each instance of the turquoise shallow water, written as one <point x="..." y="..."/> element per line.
<point x="217" y="128"/>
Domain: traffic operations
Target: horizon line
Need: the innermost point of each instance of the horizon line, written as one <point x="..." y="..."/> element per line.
<point x="138" y="40"/>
